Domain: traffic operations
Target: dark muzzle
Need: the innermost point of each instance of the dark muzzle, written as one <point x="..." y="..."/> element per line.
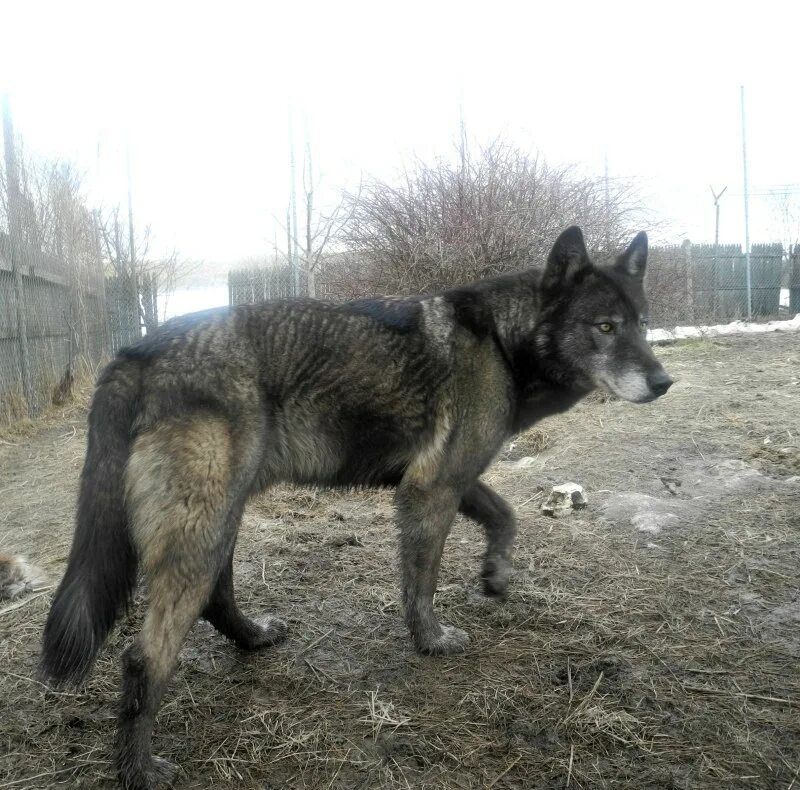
<point x="659" y="382"/>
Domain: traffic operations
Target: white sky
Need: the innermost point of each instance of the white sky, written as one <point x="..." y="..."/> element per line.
<point x="201" y="91"/>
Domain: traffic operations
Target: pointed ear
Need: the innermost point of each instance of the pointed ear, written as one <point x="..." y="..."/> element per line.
<point x="566" y="259"/>
<point x="634" y="260"/>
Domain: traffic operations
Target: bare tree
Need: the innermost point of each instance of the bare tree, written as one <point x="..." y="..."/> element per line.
<point x="309" y="247"/>
<point x="54" y="217"/>
<point x="54" y="234"/>
<point x="483" y="213"/>
<point x="321" y="227"/>
<point x="785" y="209"/>
<point x="129" y="256"/>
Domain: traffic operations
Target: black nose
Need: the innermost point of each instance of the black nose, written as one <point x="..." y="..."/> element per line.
<point x="659" y="382"/>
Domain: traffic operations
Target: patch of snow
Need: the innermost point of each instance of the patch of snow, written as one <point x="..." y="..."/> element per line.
<point x="191" y="300"/>
<point x="706" y="479"/>
<point x="704" y="484"/>
<point x="528" y="462"/>
<point x="645" y="513"/>
<point x="652" y="522"/>
<point x="734" y="328"/>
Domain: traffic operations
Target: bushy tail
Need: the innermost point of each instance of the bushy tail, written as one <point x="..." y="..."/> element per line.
<point x="101" y="572"/>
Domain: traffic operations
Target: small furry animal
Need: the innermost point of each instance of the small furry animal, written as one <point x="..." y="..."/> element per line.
<point x="17" y="576"/>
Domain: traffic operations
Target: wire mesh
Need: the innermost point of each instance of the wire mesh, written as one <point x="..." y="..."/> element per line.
<point x="687" y="284"/>
<point x="704" y="284"/>
<point x="53" y="318"/>
<point x="261" y="283"/>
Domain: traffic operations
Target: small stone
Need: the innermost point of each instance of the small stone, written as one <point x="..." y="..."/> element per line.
<point x="563" y="498"/>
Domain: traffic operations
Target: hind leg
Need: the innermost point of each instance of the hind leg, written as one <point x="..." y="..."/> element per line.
<point x="180" y="487"/>
<point x="223" y="613"/>
<point x="147" y="666"/>
<point x="489" y="509"/>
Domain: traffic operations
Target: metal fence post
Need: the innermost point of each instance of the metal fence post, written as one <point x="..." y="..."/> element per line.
<point x="15" y="238"/>
<point x="794" y="280"/>
<point x="746" y="216"/>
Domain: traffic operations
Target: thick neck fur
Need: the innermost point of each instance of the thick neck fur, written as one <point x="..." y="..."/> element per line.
<point x="523" y="331"/>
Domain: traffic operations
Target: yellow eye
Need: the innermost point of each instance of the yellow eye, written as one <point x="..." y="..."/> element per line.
<point x="605" y="327"/>
<point x="643" y="323"/>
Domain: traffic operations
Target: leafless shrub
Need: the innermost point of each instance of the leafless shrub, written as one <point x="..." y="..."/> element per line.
<point x="53" y="215"/>
<point x="490" y="211"/>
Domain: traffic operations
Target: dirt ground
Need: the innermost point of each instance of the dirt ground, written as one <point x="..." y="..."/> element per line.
<point x="651" y="640"/>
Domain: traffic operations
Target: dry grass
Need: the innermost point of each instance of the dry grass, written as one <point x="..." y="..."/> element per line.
<point x="621" y="659"/>
<point x="13" y="407"/>
<point x="14" y="420"/>
<point x="533" y="442"/>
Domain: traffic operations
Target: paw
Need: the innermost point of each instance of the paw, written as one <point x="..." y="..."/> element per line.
<point x="159" y="773"/>
<point x="448" y="641"/>
<point x="267" y="631"/>
<point x="162" y="771"/>
<point x="495" y="576"/>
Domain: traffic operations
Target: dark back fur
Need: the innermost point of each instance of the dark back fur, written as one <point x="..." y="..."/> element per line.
<point x="343" y="395"/>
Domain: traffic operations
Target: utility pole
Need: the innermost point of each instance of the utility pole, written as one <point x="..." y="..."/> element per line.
<point x="714" y="292"/>
<point x="746" y="216"/>
<point x="135" y="321"/>
<point x="289" y="239"/>
<point x="309" y="190"/>
<point x="462" y="151"/>
<point x="293" y="205"/>
<point x="462" y="134"/>
<point x="131" y="237"/>
<point x="716" y="224"/>
<point x="608" y="202"/>
<point x="15" y="237"/>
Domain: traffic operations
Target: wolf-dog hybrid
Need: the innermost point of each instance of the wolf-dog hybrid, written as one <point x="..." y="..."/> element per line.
<point x="415" y="393"/>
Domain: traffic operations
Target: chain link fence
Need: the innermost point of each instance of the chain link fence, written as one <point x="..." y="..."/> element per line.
<point x="704" y="284"/>
<point x="260" y="283"/>
<point x="687" y="284"/>
<point x="51" y="323"/>
<point x="58" y="323"/>
<point x="253" y="284"/>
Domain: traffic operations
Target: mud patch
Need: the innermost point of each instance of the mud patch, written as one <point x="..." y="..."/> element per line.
<point x="692" y="491"/>
<point x="608" y="665"/>
<point x="777" y="623"/>
<point x="644" y="513"/>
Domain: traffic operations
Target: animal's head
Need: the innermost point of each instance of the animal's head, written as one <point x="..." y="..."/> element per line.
<point x="593" y="320"/>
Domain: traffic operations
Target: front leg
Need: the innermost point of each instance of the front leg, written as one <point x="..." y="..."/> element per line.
<point x="425" y="515"/>
<point x="496" y="516"/>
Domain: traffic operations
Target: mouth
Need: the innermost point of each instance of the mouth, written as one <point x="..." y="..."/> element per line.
<point x="648" y="398"/>
<point x="636" y="387"/>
